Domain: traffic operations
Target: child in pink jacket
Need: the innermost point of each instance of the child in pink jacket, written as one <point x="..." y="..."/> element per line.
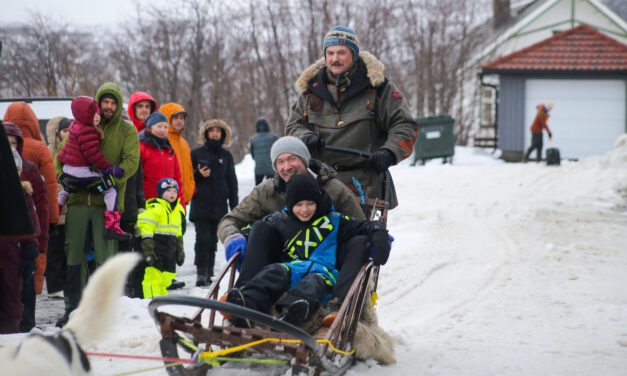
<point x="81" y="153"/>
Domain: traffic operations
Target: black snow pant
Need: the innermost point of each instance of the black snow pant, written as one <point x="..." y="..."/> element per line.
<point x="264" y="247"/>
<point x="28" y="296"/>
<point x="536" y="143"/>
<point x="56" y="263"/>
<point x="136" y="276"/>
<point x="265" y="289"/>
<point x="206" y="244"/>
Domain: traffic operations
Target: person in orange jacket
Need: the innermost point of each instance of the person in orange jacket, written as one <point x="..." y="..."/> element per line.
<point x="538" y="125"/>
<point x="176" y="117"/>
<point x="36" y="150"/>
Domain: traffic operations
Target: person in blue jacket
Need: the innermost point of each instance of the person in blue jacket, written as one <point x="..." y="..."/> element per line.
<point x="310" y="232"/>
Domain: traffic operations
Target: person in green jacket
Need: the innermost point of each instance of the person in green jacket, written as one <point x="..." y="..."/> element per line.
<point x="345" y="100"/>
<point x="120" y="145"/>
<point x="162" y="238"/>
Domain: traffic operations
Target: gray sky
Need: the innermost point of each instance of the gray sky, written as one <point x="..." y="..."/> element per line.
<point x="72" y="12"/>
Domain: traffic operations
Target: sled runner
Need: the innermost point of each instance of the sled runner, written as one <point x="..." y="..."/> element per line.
<point x="209" y="339"/>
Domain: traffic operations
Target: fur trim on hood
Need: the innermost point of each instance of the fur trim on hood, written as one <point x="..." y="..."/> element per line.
<point x="216" y="123"/>
<point x="52" y="126"/>
<point x="375" y="71"/>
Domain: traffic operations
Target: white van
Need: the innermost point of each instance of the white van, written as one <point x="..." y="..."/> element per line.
<point x="44" y="108"/>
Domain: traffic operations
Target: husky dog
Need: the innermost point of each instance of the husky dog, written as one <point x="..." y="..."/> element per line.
<point x="61" y="353"/>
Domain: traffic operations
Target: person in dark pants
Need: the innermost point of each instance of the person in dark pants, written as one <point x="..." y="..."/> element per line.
<point x="538" y="125"/>
<point x="216" y="183"/>
<point x="57" y="129"/>
<point x="312" y="236"/>
<point x="260" y="146"/>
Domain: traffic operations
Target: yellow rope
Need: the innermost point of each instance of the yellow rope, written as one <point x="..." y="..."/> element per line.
<point x="214" y="354"/>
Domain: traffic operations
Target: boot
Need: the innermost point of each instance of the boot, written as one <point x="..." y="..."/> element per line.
<point x="112" y="226"/>
<point x="526" y="157"/>
<point x="175" y="285"/>
<point x="63" y="320"/>
<point x="539" y="156"/>
<point x="295" y="313"/>
<point x="332" y="307"/>
<point x="235" y="296"/>
<point x="202" y="276"/>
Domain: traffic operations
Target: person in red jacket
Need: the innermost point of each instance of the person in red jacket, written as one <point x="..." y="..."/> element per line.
<point x="539" y="124"/>
<point x="80" y="153"/>
<point x="157" y="155"/>
<point x="140" y="106"/>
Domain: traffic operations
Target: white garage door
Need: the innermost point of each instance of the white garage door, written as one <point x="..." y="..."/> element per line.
<point x="589" y="115"/>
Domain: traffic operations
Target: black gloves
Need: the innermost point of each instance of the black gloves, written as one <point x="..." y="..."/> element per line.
<point x="314" y="143"/>
<point x="148" y="246"/>
<point x="380" y="243"/>
<point x="180" y="251"/>
<point x="380" y="160"/>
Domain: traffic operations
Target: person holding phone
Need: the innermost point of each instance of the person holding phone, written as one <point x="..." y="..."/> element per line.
<point x="216" y="184"/>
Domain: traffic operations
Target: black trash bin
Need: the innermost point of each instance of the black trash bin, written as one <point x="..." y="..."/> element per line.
<point x="435" y="139"/>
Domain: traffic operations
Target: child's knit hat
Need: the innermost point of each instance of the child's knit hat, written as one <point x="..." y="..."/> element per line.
<point x="164" y="184"/>
<point x="302" y="187"/>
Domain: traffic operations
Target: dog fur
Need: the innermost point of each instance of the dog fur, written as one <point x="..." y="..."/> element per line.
<point x="61" y="353"/>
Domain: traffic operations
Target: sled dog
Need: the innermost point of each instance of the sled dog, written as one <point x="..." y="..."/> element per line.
<point x="61" y="353"/>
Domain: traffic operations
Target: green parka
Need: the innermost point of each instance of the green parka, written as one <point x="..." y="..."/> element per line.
<point x="269" y="197"/>
<point x="369" y="113"/>
<point x="120" y="146"/>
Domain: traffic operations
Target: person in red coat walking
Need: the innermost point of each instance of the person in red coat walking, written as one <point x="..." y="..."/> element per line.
<point x="80" y="153"/>
<point x="157" y="155"/>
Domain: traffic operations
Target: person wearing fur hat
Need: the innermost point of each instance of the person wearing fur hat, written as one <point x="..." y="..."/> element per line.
<point x="289" y="157"/>
<point x="346" y="100"/>
<point x="260" y="146"/>
<point x="81" y="153"/>
<point x="311" y="233"/>
<point x="537" y="127"/>
<point x="162" y="237"/>
<point x="216" y="184"/>
<point x="157" y="155"/>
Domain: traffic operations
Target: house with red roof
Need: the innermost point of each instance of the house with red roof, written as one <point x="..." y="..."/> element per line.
<point x="488" y="93"/>
<point x="584" y="73"/>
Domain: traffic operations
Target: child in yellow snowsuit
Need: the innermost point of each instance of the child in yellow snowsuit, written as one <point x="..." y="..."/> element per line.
<point x="162" y="238"/>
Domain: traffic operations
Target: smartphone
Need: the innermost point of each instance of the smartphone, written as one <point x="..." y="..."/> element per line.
<point x="203" y="163"/>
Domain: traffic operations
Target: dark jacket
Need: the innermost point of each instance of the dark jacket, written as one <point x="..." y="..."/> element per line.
<point x="260" y="146"/>
<point x="210" y="200"/>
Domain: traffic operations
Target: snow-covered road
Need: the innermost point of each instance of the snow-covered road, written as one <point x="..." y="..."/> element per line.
<point x="497" y="269"/>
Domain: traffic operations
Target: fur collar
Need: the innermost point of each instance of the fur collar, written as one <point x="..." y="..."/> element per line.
<point x="375" y="71"/>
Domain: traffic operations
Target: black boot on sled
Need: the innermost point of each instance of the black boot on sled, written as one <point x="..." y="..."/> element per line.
<point x="295" y="313"/>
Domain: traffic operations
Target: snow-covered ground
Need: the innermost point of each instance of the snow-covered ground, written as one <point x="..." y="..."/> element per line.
<point x="497" y="269"/>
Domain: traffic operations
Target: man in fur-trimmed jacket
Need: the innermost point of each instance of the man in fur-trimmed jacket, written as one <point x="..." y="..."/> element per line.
<point x="346" y="100"/>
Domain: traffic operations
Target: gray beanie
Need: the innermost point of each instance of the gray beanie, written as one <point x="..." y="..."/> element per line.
<point x="18" y="159"/>
<point x="289" y="144"/>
